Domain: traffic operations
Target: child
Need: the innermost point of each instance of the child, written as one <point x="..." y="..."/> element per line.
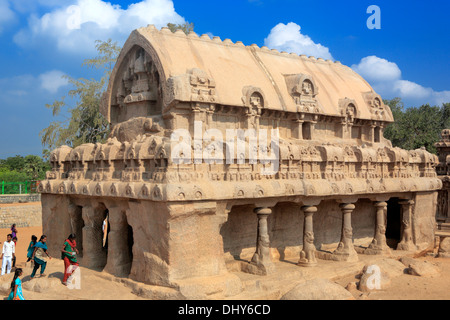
<point x="30" y="249"/>
<point x="16" y="286"/>
<point x="8" y="253"/>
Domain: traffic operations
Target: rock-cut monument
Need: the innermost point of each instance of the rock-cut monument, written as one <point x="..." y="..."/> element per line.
<point x="228" y="158"/>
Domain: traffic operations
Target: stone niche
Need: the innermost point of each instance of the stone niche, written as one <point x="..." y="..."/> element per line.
<point x="136" y="89"/>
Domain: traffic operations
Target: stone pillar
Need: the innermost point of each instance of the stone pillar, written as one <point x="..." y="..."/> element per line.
<point x="119" y="262"/>
<point x="76" y="225"/>
<point x="312" y="129"/>
<point x="308" y="254"/>
<point x="94" y="255"/>
<point x="372" y="133"/>
<point x="407" y="242"/>
<point x="261" y="262"/>
<point x="345" y="250"/>
<point x="379" y="245"/>
<point x="298" y="129"/>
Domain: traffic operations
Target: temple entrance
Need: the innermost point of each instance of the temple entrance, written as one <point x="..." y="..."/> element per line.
<point x="394" y="222"/>
<point x="239" y="234"/>
<point x="76" y="226"/>
<point x="102" y="214"/>
<point x="130" y="243"/>
<point x="105" y="229"/>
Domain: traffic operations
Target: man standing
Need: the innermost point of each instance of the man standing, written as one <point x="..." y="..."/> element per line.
<point x="8" y="253"/>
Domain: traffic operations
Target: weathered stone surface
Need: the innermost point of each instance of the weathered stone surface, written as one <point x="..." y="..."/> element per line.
<point x="5" y="283"/>
<point x="444" y="247"/>
<point x="41" y="284"/>
<point x="392" y="267"/>
<point x="176" y="210"/>
<point x="378" y="274"/>
<point x="424" y="269"/>
<point x="370" y="281"/>
<point x="318" y="289"/>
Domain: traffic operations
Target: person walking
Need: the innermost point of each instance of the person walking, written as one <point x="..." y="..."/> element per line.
<point x="40" y="256"/>
<point x="30" y="249"/>
<point x="14" y="239"/>
<point x="14" y="231"/>
<point x="16" y="286"/>
<point x="68" y="254"/>
<point x="8" y="253"/>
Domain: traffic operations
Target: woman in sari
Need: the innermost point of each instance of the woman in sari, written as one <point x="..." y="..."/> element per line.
<point x="16" y="286"/>
<point x="40" y="256"/>
<point x="68" y="254"/>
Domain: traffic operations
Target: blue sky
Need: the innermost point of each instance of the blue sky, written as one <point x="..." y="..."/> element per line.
<point x="41" y="40"/>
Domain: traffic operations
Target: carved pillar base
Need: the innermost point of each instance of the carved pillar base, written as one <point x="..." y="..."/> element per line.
<point x="308" y="253"/>
<point x="345" y="250"/>
<point x="261" y="262"/>
<point x="379" y="245"/>
<point x="407" y="243"/>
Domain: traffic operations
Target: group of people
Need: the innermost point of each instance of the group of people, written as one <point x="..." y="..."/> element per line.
<point x="9" y="248"/>
<point x="37" y="253"/>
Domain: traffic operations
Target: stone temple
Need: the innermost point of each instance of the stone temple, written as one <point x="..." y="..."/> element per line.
<point x="181" y="217"/>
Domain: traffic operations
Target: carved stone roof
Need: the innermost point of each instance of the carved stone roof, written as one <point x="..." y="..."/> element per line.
<point x="189" y="64"/>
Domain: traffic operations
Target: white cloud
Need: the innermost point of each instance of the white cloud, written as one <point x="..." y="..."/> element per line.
<point x="376" y="69"/>
<point x="75" y="27"/>
<point x="53" y="80"/>
<point x="288" y="37"/>
<point x="386" y="79"/>
<point x="6" y="14"/>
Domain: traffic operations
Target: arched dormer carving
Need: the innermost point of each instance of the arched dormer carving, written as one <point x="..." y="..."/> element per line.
<point x="136" y="91"/>
<point x="378" y="110"/>
<point x="253" y="98"/>
<point x="303" y="89"/>
<point x="348" y="109"/>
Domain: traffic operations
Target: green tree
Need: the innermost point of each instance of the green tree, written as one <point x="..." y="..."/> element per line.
<point x="394" y="132"/>
<point x="35" y="167"/>
<point x="84" y="123"/>
<point x="18" y="168"/>
<point x="15" y="163"/>
<point x="416" y="127"/>
<point x="186" y="27"/>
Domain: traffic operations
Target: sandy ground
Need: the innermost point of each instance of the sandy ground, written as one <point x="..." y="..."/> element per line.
<point x="24" y="238"/>
<point x="98" y="285"/>
<point x="411" y="287"/>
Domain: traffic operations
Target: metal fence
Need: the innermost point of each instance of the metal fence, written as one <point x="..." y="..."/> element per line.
<point x="21" y="187"/>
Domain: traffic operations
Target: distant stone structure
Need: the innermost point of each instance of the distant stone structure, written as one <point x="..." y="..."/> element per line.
<point x="182" y="215"/>
<point x="443" y="170"/>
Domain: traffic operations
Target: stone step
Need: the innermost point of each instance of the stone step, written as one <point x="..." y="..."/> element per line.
<point x="442" y="233"/>
<point x="445" y="226"/>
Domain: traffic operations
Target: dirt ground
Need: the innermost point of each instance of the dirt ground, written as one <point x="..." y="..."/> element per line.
<point x="411" y="287"/>
<point x="99" y="285"/>
<point x="24" y="238"/>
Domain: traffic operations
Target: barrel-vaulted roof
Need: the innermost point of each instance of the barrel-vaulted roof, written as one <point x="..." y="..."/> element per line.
<point x="232" y="67"/>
